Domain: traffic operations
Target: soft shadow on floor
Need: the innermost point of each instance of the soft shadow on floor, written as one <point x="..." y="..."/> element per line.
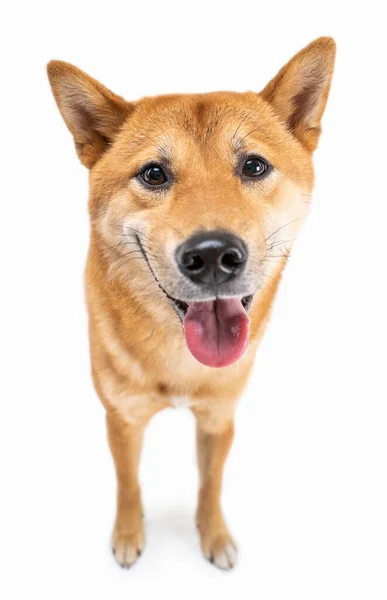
<point x="172" y="526"/>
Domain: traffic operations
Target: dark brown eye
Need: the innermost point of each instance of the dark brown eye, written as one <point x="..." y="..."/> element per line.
<point x="255" y="167"/>
<point x="154" y="175"/>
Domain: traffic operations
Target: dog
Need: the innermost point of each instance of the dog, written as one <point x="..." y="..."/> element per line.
<point x="195" y="202"/>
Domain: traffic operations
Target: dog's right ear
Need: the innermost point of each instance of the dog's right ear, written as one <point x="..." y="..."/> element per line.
<point x="92" y="113"/>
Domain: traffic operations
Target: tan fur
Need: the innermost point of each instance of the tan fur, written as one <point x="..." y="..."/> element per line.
<point x="140" y="363"/>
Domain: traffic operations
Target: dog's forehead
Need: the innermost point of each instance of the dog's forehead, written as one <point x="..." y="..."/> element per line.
<point x="200" y="115"/>
<point x="183" y="126"/>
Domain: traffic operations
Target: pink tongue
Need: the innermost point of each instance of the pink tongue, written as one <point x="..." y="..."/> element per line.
<point x="217" y="331"/>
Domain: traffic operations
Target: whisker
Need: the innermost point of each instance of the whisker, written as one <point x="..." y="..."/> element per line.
<point x="239" y="126"/>
<point x="275" y="256"/>
<point x="250" y="132"/>
<point x="282" y="227"/>
<point x="273" y="244"/>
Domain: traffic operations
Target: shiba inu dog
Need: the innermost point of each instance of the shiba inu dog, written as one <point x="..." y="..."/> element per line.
<point x="195" y="202"/>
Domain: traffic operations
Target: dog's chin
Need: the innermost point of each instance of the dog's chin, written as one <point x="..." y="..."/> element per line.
<point x="216" y="330"/>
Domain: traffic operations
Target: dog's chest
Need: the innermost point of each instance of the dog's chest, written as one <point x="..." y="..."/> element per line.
<point x="139" y="409"/>
<point x="180" y="401"/>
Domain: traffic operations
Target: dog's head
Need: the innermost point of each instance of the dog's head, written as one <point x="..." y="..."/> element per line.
<point x="196" y="199"/>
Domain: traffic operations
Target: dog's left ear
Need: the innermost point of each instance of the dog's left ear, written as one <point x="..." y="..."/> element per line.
<point x="300" y="91"/>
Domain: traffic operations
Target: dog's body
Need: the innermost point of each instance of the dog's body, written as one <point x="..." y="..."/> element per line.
<point x="228" y="174"/>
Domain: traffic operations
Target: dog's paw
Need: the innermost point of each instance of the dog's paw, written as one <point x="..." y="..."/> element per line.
<point x="127" y="547"/>
<point x="220" y="550"/>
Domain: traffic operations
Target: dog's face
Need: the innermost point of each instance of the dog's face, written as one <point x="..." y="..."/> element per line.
<point x="195" y="200"/>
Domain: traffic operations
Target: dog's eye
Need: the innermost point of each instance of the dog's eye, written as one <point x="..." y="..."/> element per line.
<point x="255" y="167"/>
<point x="154" y="175"/>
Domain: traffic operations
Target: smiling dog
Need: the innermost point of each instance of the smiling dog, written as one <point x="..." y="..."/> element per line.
<point x="195" y="201"/>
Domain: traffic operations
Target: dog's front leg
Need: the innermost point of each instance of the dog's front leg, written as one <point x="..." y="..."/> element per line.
<point x="125" y="440"/>
<point x="215" y="432"/>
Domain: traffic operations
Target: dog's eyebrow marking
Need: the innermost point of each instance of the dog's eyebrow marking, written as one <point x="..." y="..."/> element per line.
<point x="160" y="149"/>
<point x="239" y="145"/>
<point x="164" y="154"/>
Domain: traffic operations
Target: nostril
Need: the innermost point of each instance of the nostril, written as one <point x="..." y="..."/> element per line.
<point x="231" y="260"/>
<point x="211" y="257"/>
<point x="193" y="263"/>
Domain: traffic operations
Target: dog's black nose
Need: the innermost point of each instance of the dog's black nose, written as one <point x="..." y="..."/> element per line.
<point x="212" y="257"/>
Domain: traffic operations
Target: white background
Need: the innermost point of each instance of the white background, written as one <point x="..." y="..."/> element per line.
<point x="305" y="490"/>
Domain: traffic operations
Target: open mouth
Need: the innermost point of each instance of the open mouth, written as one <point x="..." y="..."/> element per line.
<point x="181" y="307"/>
<point x="217" y="330"/>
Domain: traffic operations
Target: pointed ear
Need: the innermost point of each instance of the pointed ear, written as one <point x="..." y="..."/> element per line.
<point x="93" y="114"/>
<point x="300" y="91"/>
